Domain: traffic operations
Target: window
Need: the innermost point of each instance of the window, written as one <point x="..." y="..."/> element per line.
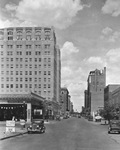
<point x="49" y="59"/>
<point x="47" y="35"/>
<point x="28" y="46"/>
<point x="37" y="53"/>
<point x="45" y="59"/>
<point x="35" y="79"/>
<point x="38" y="35"/>
<point x="26" y="72"/>
<point x="1" y="46"/>
<point x="39" y="85"/>
<point x="7" y="79"/>
<point x="2" y="72"/>
<point x="49" y="72"/>
<point x="11" y="73"/>
<point x="20" y="72"/>
<point x="11" y="65"/>
<point x="11" y="59"/>
<point x="45" y="86"/>
<point x="30" y="72"/>
<point x="26" y="86"/>
<point x="19" y="46"/>
<point x="21" y="85"/>
<point x="16" y="85"/>
<point x="7" y="85"/>
<point x="26" y="59"/>
<point x="11" y="85"/>
<point x="30" y="85"/>
<point x="48" y="85"/>
<point x="39" y="72"/>
<point x="16" y="79"/>
<point x="10" y="38"/>
<point x="35" y="85"/>
<point x="39" y="79"/>
<point x="2" y="59"/>
<point x="11" y="79"/>
<point x="2" y="85"/>
<point x="30" y="79"/>
<point x="30" y="59"/>
<point x="35" y="59"/>
<point x="10" y="53"/>
<point x="37" y="46"/>
<point x="28" y="35"/>
<point x="21" y="59"/>
<point x="47" y="46"/>
<point x="35" y="72"/>
<point x="19" y="35"/>
<point x="28" y="53"/>
<point x="26" y="79"/>
<point x="10" y="35"/>
<point x="1" y="35"/>
<point x="44" y="79"/>
<point x="16" y="72"/>
<point x="35" y="66"/>
<point x="44" y="72"/>
<point x="30" y="65"/>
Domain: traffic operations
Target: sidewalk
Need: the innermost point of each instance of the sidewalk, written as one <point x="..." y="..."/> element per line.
<point x="18" y="129"/>
<point x="6" y="135"/>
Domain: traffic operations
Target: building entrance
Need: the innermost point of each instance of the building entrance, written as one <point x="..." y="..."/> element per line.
<point x="10" y="111"/>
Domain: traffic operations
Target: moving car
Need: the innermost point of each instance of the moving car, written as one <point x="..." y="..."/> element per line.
<point x="37" y="126"/>
<point x="114" y="126"/>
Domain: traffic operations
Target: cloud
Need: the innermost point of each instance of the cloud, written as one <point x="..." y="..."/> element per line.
<point x="68" y="49"/>
<point x="110" y="35"/>
<point x="46" y="13"/>
<point x="95" y="60"/>
<point x="107" y="31"/>
<point x="112" y="7"/>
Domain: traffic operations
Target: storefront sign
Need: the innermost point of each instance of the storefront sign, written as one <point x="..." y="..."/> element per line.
<point x="10" y="126"/>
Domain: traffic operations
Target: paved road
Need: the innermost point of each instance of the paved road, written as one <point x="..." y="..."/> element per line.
<point x="68" y="134"/>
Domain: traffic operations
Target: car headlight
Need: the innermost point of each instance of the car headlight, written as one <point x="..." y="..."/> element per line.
<point x="30" y="126"/>
<point x="37" y="126"/>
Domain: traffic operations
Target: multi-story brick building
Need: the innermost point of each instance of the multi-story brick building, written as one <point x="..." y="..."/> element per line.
<point x="95" y="90"/>
<point x="108" y="93"/>
<point x="30" y="62"/>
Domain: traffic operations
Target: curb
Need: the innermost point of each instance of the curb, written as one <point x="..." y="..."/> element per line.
<point x="13" y="135"/>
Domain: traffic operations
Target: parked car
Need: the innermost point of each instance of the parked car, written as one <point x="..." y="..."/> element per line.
<point x="37" y="126"/>
<point x="90" y="118"/>
<point x="114" y="126"/>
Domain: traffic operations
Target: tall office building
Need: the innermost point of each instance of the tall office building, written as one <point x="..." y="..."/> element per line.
<point x="30" y="62"/>
<point x="95" y="90"/>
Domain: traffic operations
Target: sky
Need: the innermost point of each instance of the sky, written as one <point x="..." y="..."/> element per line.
<point x="87" y="32"/>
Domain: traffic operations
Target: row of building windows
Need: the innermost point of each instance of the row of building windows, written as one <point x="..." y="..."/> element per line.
<point x="26" y="72"/>
<point x="26" y="86"/>
<point x="30" y="66"/>
<point x="25" y="79"/>
<point x="46" y="46"/>
<point x="27" y="59"/>
<point x="27" y="53"/>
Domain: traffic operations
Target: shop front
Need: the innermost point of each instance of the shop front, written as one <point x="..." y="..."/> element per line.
<point x="21" y="106"/>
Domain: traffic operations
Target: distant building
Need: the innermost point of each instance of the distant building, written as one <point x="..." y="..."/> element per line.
<point x="64" y="100"/>
<point x="108" y="93"/>
<point x="95" y="90"/>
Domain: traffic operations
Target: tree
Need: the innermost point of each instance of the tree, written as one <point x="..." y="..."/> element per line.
<point x="108" y="112"/>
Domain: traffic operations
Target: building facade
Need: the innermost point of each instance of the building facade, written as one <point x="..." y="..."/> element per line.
<point x="30" y="62"/>
<point x="95" y="90"/>
<point x="108" y="93"/>
<point x="64" y="100"/>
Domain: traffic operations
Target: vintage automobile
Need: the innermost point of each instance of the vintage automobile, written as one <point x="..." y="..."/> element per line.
<point x="37" y="126"/>
<point x="114" y="126"/>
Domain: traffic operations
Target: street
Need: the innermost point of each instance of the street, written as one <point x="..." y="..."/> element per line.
<point x="68" y="134"/>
